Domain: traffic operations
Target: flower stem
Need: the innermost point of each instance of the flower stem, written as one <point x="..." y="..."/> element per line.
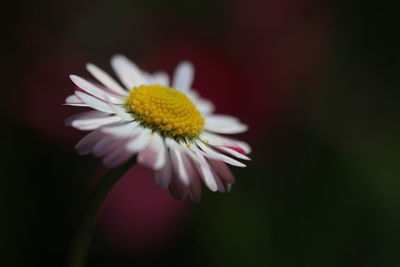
<point x="80" y="245"/>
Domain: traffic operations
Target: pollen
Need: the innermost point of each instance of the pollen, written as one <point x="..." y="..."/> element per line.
<point x="166" y="111"/>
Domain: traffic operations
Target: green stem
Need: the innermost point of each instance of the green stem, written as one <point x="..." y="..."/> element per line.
<point x="81" y="243"/>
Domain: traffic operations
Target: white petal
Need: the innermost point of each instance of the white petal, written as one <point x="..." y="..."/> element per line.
<point x="86" y="144"/>
<point x="92" y="89"/>
<point x="129" y="74"/>
<point x="220" y="117"/>
<point x="121" y="130"/>
<point x="91" y="123"/>
<point x="183" y="77"/>
<point x="121" y="112"/>
<point x="220" y="184"/>
<point x="95" y="123"/>
<point x="74" y="100"/>
<point x="138" y="142"/>
<point x="180" y="162"/>
<point x="217" y="140"/>
<point x="228" y="187"/>
<point x="106" y="79"/>
<point x="116" y="157"/>
<point x="233" y="152"/>
<point x="177" y="188"/>
<point x="224" y="124"/>
<point x="203" y="168"/>
<point x="205" y="106"/>
<point x="94" y="102"/>
<point x="76" y="105"/>
<point x="93" y="114"/>
<point x="208" y="174"/>
<point x="163" y="176"/>
<point x="222" y="170"/>
<point x="194" y="189"/>
<point x="106" y="146"/>
<point x="153" y="156"/>
<point x="210" y="153"/>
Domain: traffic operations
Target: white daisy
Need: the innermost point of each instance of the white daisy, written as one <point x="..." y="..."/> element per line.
<point x="168" y="125"/>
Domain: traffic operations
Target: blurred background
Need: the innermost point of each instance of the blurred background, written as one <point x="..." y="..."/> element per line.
<point x="317" y="82"/>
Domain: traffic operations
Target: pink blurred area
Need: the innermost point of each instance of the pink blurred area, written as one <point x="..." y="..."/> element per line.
<point x="139" y="216"/>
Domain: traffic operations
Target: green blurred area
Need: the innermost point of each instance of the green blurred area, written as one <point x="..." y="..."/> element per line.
<point x="323" y="188"/>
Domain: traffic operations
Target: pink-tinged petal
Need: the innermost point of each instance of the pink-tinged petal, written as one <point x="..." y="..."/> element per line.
<point x="105" y="146"/>
<point x="183" y="77"/>
<point x="180" y="162"/>
<point x="233" y="152"/>
<point x="228" y="187"/>
<point x="86" y="144"/>
<point x="194" y="187"/>
<point x="203" y="168"/>
<point x="127" y="71"/>
<point x="220" y="184"/>
<point x="153" y="155"/>
<point x="116" y="157"/>
<point x="94" y="102"/>
<point x="218" y="140"/>
<point x="220" y="187"/>
<point x="195" y="190"/>
<point x="177" y="189"/>
<point x="236" y="148"/>
<point x="106" y="79"/>
<point x="222" y="170"/>
<point x="186" y="178"/>
<point x="210" y="153"/>
<point x="163" y="176"/>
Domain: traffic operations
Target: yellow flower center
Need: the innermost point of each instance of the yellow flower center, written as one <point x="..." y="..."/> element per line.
<point x="165" y="110"/>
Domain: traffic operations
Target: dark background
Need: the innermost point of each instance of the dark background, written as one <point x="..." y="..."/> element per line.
<point x="317" y="82"/>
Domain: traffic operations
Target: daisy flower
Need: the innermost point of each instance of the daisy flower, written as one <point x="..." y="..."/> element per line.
<point x="168" y="126"/>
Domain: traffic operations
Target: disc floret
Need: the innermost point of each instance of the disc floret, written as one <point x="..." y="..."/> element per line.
<point x="165" y="110"/>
